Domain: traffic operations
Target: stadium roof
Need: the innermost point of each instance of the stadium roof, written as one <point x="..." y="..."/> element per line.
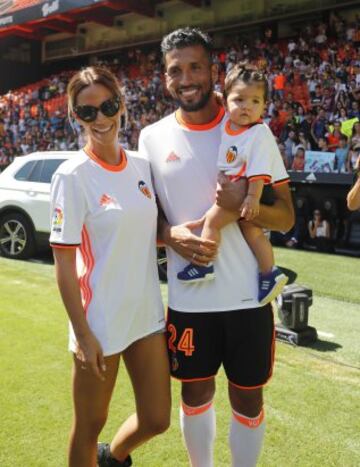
<point x="34" y="19"/>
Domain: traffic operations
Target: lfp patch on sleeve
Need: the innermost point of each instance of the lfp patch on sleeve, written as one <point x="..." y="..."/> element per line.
<point x="57" y="220"/>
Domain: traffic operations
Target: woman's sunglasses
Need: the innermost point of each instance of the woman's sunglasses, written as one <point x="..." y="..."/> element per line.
<point x="88" y="113"/>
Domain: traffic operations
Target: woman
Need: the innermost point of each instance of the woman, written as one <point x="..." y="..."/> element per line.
<point x="355" y="135"/>
<point x="319" y="232"/>
<point x="103" y="238"/>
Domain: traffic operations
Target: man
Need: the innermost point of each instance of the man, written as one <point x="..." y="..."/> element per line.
<point x="217" y="322"/>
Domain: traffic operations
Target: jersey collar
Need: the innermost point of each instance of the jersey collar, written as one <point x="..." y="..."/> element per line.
<point x="112" y="168"/>
<point x="200" y="127"/>
<point x="241" y="130"/>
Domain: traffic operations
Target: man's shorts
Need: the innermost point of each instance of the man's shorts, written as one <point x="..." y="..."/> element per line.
<point x="241" y="340"/>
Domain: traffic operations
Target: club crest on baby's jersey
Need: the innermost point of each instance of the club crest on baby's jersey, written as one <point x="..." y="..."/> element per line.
<point x="57" y="219"/>
<point x="231" y="154"/>
<point x="144" y="189"/>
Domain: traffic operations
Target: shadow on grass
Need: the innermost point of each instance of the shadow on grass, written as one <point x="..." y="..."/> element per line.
<point x="324" y="346"/>
<point x="44" y="257"/>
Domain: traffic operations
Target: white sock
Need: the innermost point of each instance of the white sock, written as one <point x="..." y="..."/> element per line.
<point x="198" y="426"/>
<point x="246" y="437"/>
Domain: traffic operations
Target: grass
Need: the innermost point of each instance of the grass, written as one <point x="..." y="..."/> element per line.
<point x="312" y="405"/>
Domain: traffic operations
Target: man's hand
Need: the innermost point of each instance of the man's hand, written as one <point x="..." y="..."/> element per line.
<point x="231" y="194"/>
<point x="250" y="208"/>
<point x="188" y="245"/>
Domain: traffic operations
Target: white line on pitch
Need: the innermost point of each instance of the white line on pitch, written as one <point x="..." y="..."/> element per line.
<point x="325" y="334"/>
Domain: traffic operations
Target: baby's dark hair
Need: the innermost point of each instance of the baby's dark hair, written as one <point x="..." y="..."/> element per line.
<point x="248" y="74"/>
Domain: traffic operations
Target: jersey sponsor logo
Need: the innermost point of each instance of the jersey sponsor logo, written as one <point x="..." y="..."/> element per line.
<point x="144" y="189"/>
<point x="57" y="219"/>
<point x="172" y="157"/>
<point x="231" y="154"/>
<point x="105" y="200"/>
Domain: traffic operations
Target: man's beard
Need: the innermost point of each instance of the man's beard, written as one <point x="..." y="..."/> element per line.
<point x="196" y="105"/>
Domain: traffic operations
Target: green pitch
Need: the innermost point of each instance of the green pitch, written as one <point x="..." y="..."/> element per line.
<point x="312" y="403"/>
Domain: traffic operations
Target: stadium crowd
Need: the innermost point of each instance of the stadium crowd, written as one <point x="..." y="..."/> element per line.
<point x="314" y="96"/>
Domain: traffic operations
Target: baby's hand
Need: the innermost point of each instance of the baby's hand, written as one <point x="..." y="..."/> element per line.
<point x="250" y="208"/>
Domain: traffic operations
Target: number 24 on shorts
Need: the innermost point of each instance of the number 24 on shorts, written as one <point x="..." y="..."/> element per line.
<point x="186" y="341"/>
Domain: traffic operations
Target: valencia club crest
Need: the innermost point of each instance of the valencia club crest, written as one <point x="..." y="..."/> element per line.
<point x="231" y="154"/>
<point x="144" y="189"/>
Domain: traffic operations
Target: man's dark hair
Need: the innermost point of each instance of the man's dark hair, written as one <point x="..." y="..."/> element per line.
<point x="186" y="37"/>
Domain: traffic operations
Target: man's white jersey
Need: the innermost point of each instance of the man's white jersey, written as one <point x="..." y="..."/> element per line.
<point x="183" y="162"/>
<point x="109" y="214"/>
<point x="248" y="151"/>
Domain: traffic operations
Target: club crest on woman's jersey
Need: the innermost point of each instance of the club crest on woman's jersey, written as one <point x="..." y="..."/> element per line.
<point x="231" y="154"/>
<point x="144" y="189"/>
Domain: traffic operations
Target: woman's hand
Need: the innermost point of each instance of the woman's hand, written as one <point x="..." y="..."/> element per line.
<point x="90" y="354"/>
<point x="190" y="246"/>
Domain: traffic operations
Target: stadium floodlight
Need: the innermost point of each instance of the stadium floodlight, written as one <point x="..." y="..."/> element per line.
<point x="293" y="310"/>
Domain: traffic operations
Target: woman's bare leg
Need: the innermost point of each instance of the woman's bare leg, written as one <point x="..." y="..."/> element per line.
<point x="91" y="398"/>
<point x="147" y="363"/>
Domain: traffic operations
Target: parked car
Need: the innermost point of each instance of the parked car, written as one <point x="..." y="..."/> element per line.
<point x="24" y="205"/>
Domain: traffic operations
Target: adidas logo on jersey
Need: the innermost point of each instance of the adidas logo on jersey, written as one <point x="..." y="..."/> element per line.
<point x="172" y="157"/>
<point x="105" y="200"/>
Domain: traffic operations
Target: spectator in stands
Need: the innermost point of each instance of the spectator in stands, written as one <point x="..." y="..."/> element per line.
<point x="319" y="232"/>
<point x="317" y="98"/>
<point x="353" y="157"/>
<point x="333" y="135"/>
<point x="298" y="164"/>
<point x="290" y="144"/>
<point x="318" y="127"/>
<point x="303" y="141"/>
<point x="355" y="136"/>
<point x="341" y="154"/>
<point x="279" y="84"/>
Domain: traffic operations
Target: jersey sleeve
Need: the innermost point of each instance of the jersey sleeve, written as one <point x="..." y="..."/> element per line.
<point x="143" y="150"/>
<point x="67" y="210"/>
<point x="259" y="155"/>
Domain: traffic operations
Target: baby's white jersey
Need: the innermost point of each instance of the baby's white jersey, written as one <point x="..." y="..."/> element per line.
<point x="247" y="152"/>
<point x="183" y="161"/>
<point x="109" y="214"/>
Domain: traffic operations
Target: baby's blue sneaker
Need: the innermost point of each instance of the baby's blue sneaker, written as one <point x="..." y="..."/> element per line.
<point x="271" y="285"/>
<point x="194" y="273"/>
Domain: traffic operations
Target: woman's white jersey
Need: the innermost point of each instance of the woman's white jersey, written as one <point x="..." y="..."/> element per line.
<point x="109" y="214"/>
<point x="183" y="161"/>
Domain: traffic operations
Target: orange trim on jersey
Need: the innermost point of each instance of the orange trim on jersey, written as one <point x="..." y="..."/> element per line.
<point x="281" y="182"/>
<point x="249" y="421"/>
<point x="254" y="178"/>
<point x="241" y="130"/>
<point x="113" y="168"/>
<point x="272" y="353"/>
<point x="202" y="126"/>
<point x="194" y="379"/>
<point x="65" y="247"/>
<point x="240" y="174"/>
<point x="89" y="262"/>
<point x="190" y="411"/>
